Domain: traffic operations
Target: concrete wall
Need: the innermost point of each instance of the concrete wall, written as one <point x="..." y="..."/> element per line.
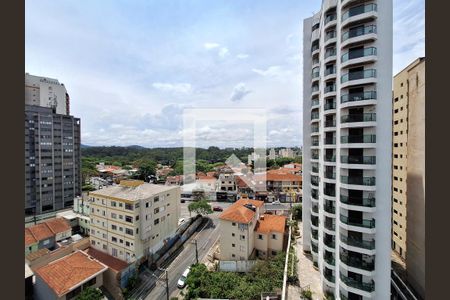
<point x="415" y="257"/>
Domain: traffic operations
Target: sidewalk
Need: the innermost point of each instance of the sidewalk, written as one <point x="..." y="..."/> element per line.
<point x="307" y="275"/>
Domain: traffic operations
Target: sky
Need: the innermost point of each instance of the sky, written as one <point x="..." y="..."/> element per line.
<point x="132" y="67"/>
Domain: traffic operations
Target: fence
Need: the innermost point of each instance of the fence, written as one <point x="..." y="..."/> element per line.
<point x="240" y="266"/>
<point x="284" y="292"/>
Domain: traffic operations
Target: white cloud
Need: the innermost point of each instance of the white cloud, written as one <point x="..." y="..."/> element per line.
<point x="242" y="56"/>
<point x="178" y="88"/>
<point x="239" y="92"/>
<point x="272" y="71"/>
<point x="211" y="45"/>
<point x="223" y="52"/>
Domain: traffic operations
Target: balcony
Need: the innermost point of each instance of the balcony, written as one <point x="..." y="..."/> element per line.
<point x="369" y="181"/>
<point x="314" y="129"/>
<point x="314" y="248"/>
<point x="330" y="192"/>
<point x="329" y="18"/>
<point x="330" y="35"/>
<point x="329" y="242"/>
<point x="315" y="234"/>
<point x="315" y="180"/>
<point x="364" y="160"/>
<point x="358" y="139"/>
<point x="358" y="34"/>
<point x="357" y="201"/>
<point x="314" y="89"/>
<point x="365" y="286"/>
<point x="330" y="54"/>
<point x="315" y="194"/>
<point x="315" y="169"/>
<point x="329" y="277"/>
<point x="332" y="227"/>
<point x="315" y="142"/>
<point x="315" y="156"/>
<point x="330" y="105"/>
<point x="330" y="158"/>
<point x="330" y="175"/>
<point x="369" y="96"/>
<point x="369" y="245"/>
<point x="359" y="56"/>
<point x="330" y="89"/>
<point x="314" y="48"/>
<point x="356" y="263"/>
<point x="359" y="13"/>
<point x="315" y="209"/>
<point x="329" y="72"/>
<point x="329" y="259"/>
<point x="330" y="140"/>
<point x="315" y="221"/>
<point x="358" y="118"/>
<point x="330" y="123"/>
<point x="329" y="209"/>
<point x="358" y="75"/>
<point x="314" y="115"/>
<point x="370" y="223"/>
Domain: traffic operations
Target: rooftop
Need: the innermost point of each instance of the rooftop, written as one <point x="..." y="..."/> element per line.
<point x="36" y="254"/>
<point x="132" y="190"/>
<point x="271" y="223"/>
<point x="45" y="230"/>
<point x="237" y="212"/>
<point x="69" y="272"/>
<point x="111" y="261"/>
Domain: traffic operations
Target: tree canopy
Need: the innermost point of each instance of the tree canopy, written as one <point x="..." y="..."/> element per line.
<point x="90" y="293"/>
<point x="201" y="207"/>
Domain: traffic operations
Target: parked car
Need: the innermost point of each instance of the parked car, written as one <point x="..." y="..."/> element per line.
<point x="217" y="208"/>
<point x="276" y="202"/>
<point x="182" y="281"/>
<point x="182" y="200"/>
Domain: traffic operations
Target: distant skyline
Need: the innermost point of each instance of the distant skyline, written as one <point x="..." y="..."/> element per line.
<point x="132" y="67"/>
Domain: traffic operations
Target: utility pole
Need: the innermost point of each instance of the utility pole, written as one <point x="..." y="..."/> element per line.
<point x="196" y="250"/>
<point x="167" y="284"/>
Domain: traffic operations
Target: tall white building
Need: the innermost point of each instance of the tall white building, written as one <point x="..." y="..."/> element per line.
<point x="46" y="92"/>
<point x="347" y="117"/>
<point x="272" y="154"/>
<point x="288" y="153"/>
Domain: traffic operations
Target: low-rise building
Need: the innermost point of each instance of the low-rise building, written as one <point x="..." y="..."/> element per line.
<point x="132" y="220"/>
<point x="246" y="232"/>
<point x="226" y="182"/>
<point x="67" y="277"/>
<point x="46" y="234"/>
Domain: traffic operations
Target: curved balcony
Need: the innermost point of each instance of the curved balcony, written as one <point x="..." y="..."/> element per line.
<point x="329" y="105"/>
<point x="315" y="180"/>
<point x="315" y="103"/>
<point x="358" y="34"/>
<point x="329" y="192"/>
<point x="356" y="201"/>
<point x="314" y="129"/>
<point x="315" y="74"/>
<point x="356" y="263"/>
<point x="329" y="91"/>
<point x="329" y="175"/>
<point x="329" y="141"/>
<point x="315" y="157"/>
<point x="315" y="222"/>
<point x="359" y="141"/>
<point x="362" y="223"/>
<point x="359" y="285"/>
<point x="315" y="116"/>
<point x="360" y="13"/>
<point x="358" y="160"/>
<point x="330" y="125"/>
<point x="358" y="78"/>
<point x="358" y="99"/>
<point x="360" y="56"/>
<point x="314" y="168"/>
<point x="315" y="194"/>
<point x="362" y="244"/>
<point x="329" y="208"/>
<point x="330" y="37"/>
<point x="314" y="248"/>
<point x="368" y="181"/>
<point x="330" y="73"/>
<point x="315" y="63"/>
<point x="330" y="20"/>
<point x="329" y="278"/>
<point x="330" y="55"/>
<point x="315" y="50"/>
<point x="315" y="209"/>
<point x="315" y="90"/>
<point x="330" y="261"/>
<point x="359" y="120"/>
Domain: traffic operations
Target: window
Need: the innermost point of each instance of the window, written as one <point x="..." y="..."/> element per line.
<point x="274" y="252"/>
<point x="129" y="231"/>
<point x="232" y="234"/>
<point x="128" y="206"/>
<point x="274" y="236"/>
<point x="137" y="205"/>
<point x="232" y="255"/>
<point x="137" y="230"/>
<point x="113" y="203"/>
<point x="113" y="215"/>
<point x="233" y="245"/>
<point x="146" y="204"/>
<point x="114" y="252"/>
<point x="114" y="239"/>
<point x="234" y="224"/>
<point x="260" y="237"/>
<point x="137" y="218"/>
<point x="156" y="210"/>
<point x="156" y="199"/>
<point x="127" y="244"/>
<point x="156" y="221"/>
<point x="129" y="219"/>
<point x="121" y="241"/>
<point x="104" y="247"/>
<point x="114" y="227"/>
<point x="242" y="237"/>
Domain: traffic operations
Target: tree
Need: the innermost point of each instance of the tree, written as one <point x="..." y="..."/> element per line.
<point x="145" y="169"/>
<point x="297" y="212"/>
<point x="201" y="207"/>
<point x="90" y="293"/>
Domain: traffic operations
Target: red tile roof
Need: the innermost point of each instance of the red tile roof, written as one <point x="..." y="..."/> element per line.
<point x="45" y="230"/>
<point x="282" y="177"/>
<point x="271" y="223"/>
<point x="237" y="212"/>
<point x="68" y="272"/>
<point x="111" y="261"/>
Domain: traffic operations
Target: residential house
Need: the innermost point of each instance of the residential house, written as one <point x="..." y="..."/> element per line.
<point x="46" y="234"/>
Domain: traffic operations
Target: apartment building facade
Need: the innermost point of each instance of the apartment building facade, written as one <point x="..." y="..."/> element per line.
<point x="347" y="91"/>
<point x="408" y="171"/>
<point x="247" y="232"/>
<point x="132" y="220"/>
<point x="52" y="160"/>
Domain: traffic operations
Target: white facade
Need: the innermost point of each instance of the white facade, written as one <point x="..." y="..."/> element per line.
<point x="287" y="153"/>
<point x="272" y="154"/>
<point x="347" y="91"/>
<point x="46" y="92"/>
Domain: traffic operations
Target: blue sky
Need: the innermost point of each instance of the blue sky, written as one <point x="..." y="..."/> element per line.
<point x="131" y="67"/>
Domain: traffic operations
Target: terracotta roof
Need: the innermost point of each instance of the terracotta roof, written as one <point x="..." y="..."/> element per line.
<point x="111" y="261"/>
<point x="58" y="225"/>
<point x="271" y="223"/>
<point x="282" y="177"/>
<point x="68" y="272"/>
<point x="237" y="212"/>
<point x="44" y="230"/>
<point x="211" y="174"/>
<point x="35" y="255"/>
<point x="206" y="178"/>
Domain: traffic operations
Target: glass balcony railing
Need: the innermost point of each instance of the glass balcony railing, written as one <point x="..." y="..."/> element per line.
<point x="330" y="158"/>
<point x="343" y="297"/>
<point x="358" y="10"/>
<point x="315" y="180"/>
<point x="330" y="123"/>
<point x="315" y="129"/>
<point x="330" y="192"/>
<point x="370" y="73"/>
<point x="364" y="160"/>
<point x="369" y="95"/>
<point x="329" y="208"/>
<point x="315" y="221"/>
<point x="315" y="194"/>
<point x="359" y="223"/>
<point x="315" y="73"/>
<point x="315" y="156"/>
<point x="330" y="71"/>
<point x="329" y="242"/>
<point x="315" y="88"/>
<point x="315" y="234"/>
<point x="329" y="277"/>
<point x="315" y="143"/>
<point x="315" y="209"/>
<point x="365" y="117"/>
<point x="330" y="260"/>
<point x="332" y="227"/>
<point x="351" y="139"/>
<point x="358" y="201"/>
<point x="330" y="52"/>
<point x="356" y="262"/>
<point x="364" y="286"/>
<point x="314" y="248"/>
<point x="314" y="115"/>
<point x="369" y="181"/>
<point x="330" y="18"/>
<point x="330" y="105"/>
<point x="358" y="53"/>
<point x="330" y="141"/>
<point x="315" y="61"/>
<point x="330" y="88"/>
<point x="358" y="31"/>
<point x="330" y="35"/>
<point x="315" y="102"/>
<point x="315" y="169"/>
<point x="330" y="175"/>
<point x="369" y="245"/>
<point x="314" y="48"/>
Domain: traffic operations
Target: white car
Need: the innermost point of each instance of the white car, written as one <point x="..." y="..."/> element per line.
<point x="276" y="202"/>
<point x="182" y="281"/>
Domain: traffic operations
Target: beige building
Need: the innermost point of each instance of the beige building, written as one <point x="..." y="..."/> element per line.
<point x="131" y="220"/>
<point x="408" y="171"/>
<point x="247" y="233"/>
